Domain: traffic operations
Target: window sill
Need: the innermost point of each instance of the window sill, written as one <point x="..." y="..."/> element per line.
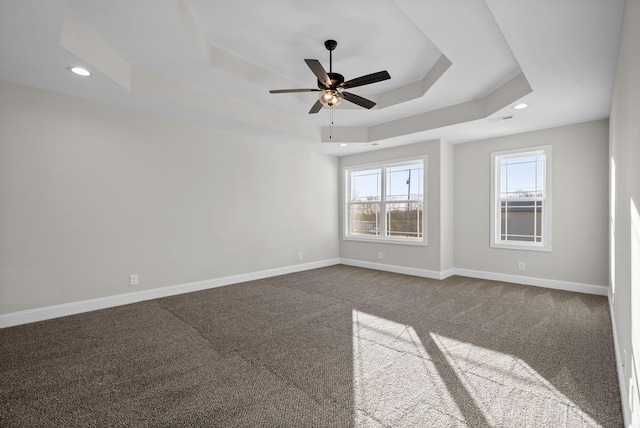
<point x="381" y="240"/>
<point x="546" y="249"/>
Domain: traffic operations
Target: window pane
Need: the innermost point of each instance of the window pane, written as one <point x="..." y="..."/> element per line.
<point x="521" y="221"/>
<point x="404" y="219"/>
<point x="540" y="175"/>
<point x="365" y="219"/>
<point x="365" y="185"/>
<point x="521" y="177"/>
<point x="405" y="182"/>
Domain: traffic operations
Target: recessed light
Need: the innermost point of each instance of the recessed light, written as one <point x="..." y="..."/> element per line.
<point x="371" y="144"/>
<point x="80" y="71"/>
<point x="520" y="106"/>
<point x="343" y="145"/>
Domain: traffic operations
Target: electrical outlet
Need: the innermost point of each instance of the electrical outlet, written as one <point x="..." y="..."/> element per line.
<point x="300" y="255"/>
<point x="133" y="279"/>
<point x="379" y="255"/>
<point x="521" y="266"/>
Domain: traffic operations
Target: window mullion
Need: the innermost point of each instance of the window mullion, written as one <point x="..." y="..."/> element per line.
<point x="535" y="203"/>
<point x="383" y="201"/>
<point x="506" y="205"/>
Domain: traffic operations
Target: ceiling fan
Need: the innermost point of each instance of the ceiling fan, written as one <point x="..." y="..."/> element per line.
<point x="332" y="85"/>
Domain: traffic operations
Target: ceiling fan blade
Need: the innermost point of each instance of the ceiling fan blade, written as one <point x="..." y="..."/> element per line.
<point x="287" y="91"/>
<point x="319" y="71"/>
<point x="316" y="107"/>
<point x="356" y="99"/>
<point x="366" y="80"/>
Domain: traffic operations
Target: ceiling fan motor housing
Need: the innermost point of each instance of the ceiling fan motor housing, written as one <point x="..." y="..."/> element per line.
<point x="336" y="80"/>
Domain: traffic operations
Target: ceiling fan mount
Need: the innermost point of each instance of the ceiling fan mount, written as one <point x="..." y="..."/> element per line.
<point x="332" y="85"/>
<point x="330" y="44"/>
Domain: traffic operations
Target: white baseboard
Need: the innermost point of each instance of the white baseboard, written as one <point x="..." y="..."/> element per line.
<point x="624" y="396"/>
<point x="49" y="312"/>
<point x="56" y="311"/>
<point x="599" y="290"/>
<point x="447" y="273"/>
<point x="425" y="273"/>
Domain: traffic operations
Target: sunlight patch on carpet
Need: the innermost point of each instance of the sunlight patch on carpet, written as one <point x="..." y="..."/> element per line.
<point x="494" y="378"/>
<point x="390" y="385"/>
<point x="402" y="377"/>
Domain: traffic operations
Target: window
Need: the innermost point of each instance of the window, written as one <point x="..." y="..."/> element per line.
<point x="385" y="202"/>
<point x="521" y="199"/>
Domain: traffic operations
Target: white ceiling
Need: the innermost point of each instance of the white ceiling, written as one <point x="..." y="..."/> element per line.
<point x="453" y="64"/>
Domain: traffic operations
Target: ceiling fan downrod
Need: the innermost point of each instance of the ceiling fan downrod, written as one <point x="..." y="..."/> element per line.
<point x="330" y="45"/>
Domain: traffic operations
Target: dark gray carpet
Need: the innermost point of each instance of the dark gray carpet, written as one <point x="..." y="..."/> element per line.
<point x="332" y="347"/>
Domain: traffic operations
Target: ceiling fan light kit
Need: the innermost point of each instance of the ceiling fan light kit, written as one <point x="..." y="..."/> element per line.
<point x="332" y="85"/>
<point x="329" y="97"/>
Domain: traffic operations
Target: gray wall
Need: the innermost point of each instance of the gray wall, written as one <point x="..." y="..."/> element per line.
<point x="435" y="255"/>
<point x="624" y="152"/>
<point x="447" y="185"/>
<point x="90" y="194"/>
<point x="579" y="206"/>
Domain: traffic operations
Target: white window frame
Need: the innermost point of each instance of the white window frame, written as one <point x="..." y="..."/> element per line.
<point x="495" y="240"/>
<point x="347" y="170"/>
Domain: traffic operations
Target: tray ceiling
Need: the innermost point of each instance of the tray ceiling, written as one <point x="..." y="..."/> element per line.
<point x="453" y="65"/>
